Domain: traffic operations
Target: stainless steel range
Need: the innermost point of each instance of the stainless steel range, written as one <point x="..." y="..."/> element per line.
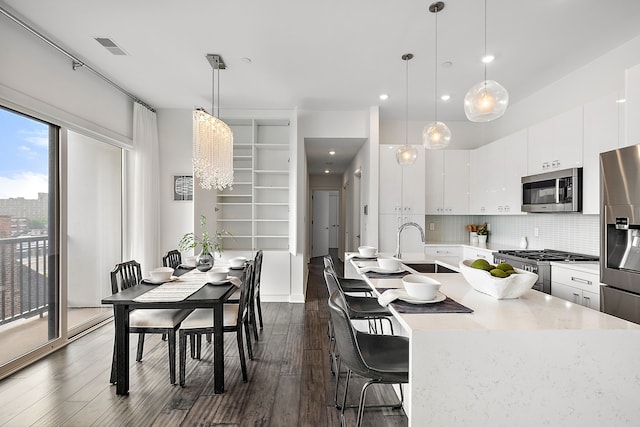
<point x="539" y="262"/>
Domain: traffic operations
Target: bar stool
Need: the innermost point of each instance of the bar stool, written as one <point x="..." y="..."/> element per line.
<point x="382" y="359"/>
<point x="347" y="285"/>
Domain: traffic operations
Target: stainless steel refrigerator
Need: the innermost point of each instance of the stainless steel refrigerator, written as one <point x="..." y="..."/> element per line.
<point x="620" y="232"/>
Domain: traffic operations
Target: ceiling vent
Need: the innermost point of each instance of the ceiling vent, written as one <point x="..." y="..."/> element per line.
<point x="110" y="45"/>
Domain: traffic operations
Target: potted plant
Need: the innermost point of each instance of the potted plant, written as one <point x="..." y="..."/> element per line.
<point x="483" y="233"/>
<point x="210" y="245"/>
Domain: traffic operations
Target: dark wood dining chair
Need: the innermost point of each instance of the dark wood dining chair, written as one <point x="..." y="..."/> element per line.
<point x="172" y="259"/>
<point x="255" y="294"/>
<point x="236" y="317"/>
<point x="146" y="320"/>
<point x="381" y="359"/>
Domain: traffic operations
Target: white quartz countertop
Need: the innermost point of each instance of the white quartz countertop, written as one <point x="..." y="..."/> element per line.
<point x="532" y="311"/>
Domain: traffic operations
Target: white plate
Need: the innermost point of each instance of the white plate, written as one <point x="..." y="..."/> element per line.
<point x="220" y="282"/>
<point x="148" y="281"/>
<point x="381" y="270"/>
<point x="439" y="298"/>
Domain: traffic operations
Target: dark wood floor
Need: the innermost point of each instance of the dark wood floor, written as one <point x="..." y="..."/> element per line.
<point x="290" y="383"/>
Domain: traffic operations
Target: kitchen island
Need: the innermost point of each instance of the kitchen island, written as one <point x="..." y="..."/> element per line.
<point x="536" y="360"/>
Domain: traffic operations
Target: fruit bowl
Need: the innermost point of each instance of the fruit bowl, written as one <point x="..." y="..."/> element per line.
<point x="501" y="288"/>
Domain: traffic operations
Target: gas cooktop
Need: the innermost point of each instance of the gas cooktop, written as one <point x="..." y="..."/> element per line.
<point x="548" y="255"/>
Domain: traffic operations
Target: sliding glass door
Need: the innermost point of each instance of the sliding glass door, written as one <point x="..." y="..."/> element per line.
<point x="29" y="229"/>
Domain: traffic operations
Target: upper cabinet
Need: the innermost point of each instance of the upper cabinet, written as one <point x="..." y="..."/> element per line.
<point x="601" y="133"/>
<point x="496" y="170"/>
<point x="447" y="182"/>
<point x="632" y="106"/>
<point x="393" y="178"/>
<point x="556" y="143"/>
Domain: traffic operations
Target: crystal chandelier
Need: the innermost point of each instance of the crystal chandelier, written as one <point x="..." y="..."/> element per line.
<point x="406" y="154"/>
<point x="212" y="141"/>
<point x="487" y="100"/>
<point x="436" y="134"/>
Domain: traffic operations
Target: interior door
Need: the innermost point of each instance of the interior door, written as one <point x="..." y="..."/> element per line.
<point x="320" y="229"/>
<point x="334" y="224"/>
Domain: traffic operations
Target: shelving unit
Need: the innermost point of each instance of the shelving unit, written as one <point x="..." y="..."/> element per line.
<point x="256" y="209"/>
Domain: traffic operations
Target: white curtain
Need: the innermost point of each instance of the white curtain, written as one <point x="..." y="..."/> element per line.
<point x="144" y="203"/>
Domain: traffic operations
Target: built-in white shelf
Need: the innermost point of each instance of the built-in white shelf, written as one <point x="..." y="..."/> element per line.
<point x="256" y="210"/>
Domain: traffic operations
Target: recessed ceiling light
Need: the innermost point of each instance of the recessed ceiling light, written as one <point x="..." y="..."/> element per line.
<point x="332" y="153"/>
<point x="488" y="58"/>
<point x="621" y="100"/>
<point x="327" y="171"/>
<point x="384" y="97"/>
<point x="447" y="64"/>
<point x="246" y="60"/>
<point x="445" y="97"/>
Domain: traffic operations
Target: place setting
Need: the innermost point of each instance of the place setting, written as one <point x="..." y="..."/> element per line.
<point x="160" y="275"/>
<point x="220" y="276"/>
<point x="419" y="294"/>
<point x="384" y="268"/>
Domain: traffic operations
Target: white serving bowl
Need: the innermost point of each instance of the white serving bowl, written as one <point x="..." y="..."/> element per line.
<point x="420" y="287"/>
<point x="501" y="288"/>
<point x="391" y="264"/>
<point x="190" y="261"/>
<point x="237" y="262"/>
<point x="367" y="251"/>
<point x="161" y="274"/>
<point x="217" y="274"/>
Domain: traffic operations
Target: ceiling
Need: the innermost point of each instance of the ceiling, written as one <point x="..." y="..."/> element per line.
<point x="332" y="54"/>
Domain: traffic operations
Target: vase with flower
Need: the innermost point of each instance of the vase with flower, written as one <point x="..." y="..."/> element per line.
<point x="209" y="245"/>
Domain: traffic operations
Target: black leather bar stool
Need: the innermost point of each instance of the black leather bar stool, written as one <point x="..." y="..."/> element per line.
<point x="382" y="359"/>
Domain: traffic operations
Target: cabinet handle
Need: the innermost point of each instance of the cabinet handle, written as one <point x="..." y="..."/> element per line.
<point x="576" y="298"/>
<point x="587" y="301"/>
<point x="581" y="280"/>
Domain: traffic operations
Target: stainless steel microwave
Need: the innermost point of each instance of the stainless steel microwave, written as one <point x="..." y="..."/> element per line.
<point x="557" y="191"/>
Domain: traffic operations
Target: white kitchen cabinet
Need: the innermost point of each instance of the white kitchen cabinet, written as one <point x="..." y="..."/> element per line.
<point x="576" y="286"/>
<point x="601" y="119"/>
<point x="447" y="182"/>
<point x="556" y="143"/>
<point x="632" y="106"/>
<point x="440" y="251"/>
<point x="470" y="252"/>
<point x="393" y="178"/>
<point x="495" y="173"/>
<point x="388" y="230"/>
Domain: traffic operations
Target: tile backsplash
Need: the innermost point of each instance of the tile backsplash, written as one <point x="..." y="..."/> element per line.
<point x="567" y="232"/>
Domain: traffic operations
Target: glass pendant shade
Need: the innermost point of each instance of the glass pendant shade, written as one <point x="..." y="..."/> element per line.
<point x="212" y="151"/>
<point x="486" y="101"/>
<point x="436" y="135"/>
<point x="406" y="155"/>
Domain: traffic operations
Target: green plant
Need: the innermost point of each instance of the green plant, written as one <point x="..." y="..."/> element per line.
<point x="209" y="244"/>
<point x="483" y="230"/>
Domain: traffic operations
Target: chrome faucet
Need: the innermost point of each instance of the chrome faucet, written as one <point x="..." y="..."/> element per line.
<point x="402" y="227"/>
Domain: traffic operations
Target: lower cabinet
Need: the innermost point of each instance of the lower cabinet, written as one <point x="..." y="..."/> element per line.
<point x="440" y="251"/>
<point x="470" y="252"/>
<point x="576" y="286"/>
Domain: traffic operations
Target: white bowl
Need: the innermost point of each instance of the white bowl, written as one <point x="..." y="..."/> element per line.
<point x="217" y="274"/>
<point x="190" y="261"/>
<point x="501" y="288"/>
<point x="237" y="262"/>
<point x="367" y="251"/>
<point x="391" y="264"/>
<point x="161" y="274"/>
<point x="420" y="287"/>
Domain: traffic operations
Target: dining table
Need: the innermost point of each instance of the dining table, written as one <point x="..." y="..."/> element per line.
<point x="207" y="296"/>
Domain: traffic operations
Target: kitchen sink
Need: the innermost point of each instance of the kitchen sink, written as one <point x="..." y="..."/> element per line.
<point x="430" y="268"/>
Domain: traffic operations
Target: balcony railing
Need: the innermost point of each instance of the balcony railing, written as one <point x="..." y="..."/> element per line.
<point x="24" y="272"/>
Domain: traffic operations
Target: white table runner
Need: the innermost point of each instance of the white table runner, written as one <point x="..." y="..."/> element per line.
<point x="171" y="291"/>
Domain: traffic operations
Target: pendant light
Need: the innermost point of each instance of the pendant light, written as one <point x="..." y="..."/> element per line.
<point x="436" y="135"/>
<point x="487" y="100"/>
<point x="212" y="140"/>
<point x="407" y="154"/>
